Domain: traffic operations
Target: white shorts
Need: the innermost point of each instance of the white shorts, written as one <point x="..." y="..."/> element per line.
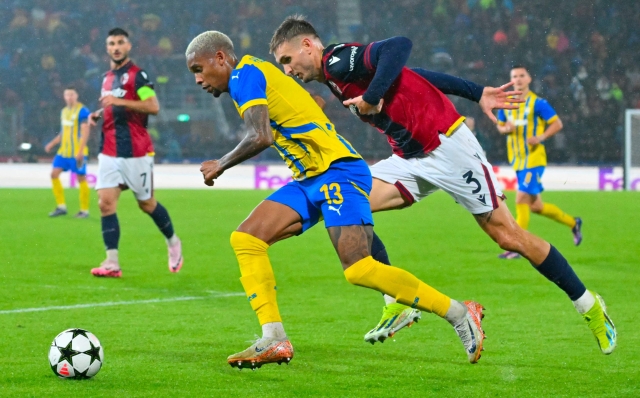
<point x="133" y="173"/>
<point x="458" y="166"/>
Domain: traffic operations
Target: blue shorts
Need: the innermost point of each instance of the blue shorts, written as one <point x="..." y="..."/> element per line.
<point x="67" y="164"/>
<point x="340" y="195"/>
<point x="530" y="180"/>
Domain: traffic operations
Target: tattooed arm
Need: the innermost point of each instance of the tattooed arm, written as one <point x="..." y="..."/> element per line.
<point x="259" y="137"/>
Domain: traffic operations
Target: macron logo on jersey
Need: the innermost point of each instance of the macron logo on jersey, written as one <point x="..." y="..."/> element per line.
<point x="352" y="58"/>
<point x="333" y="60"/>
<point x="118" y="93"/>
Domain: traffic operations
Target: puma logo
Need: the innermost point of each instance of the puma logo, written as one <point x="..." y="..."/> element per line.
<point x="337" y="210"/>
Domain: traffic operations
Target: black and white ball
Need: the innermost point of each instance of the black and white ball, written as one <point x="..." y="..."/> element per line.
<point x="76" y="354"/>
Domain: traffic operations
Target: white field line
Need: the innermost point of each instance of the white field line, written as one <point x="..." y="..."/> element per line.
<point x="115" y="303"/>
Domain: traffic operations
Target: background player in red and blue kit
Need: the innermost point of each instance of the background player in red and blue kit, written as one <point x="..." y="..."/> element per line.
<point x="432" y="147"/>
<point x="126" y="152"/>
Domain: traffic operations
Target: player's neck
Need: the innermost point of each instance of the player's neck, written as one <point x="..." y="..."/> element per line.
<point x="71" y="106"/>
<point x="118" y="65"/>
<point x="525" y="92"/>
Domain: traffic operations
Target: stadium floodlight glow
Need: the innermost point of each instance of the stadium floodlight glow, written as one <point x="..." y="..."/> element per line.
<point x="183" y="117"/>
<point x="25" y="146"/>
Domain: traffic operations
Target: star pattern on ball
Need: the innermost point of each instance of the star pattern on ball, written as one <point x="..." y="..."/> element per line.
<point x="67" y="353"/>
<point x="93" y="352"/>
<point x="78" y="332"/>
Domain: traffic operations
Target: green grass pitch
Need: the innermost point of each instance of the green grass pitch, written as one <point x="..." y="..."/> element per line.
<point x="537" y="344"/>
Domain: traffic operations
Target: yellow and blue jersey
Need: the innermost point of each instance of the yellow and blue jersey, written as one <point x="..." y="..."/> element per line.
<point x="70" y="121"/>
<point x="530" y="120"/>
<point x="303" y="135"/>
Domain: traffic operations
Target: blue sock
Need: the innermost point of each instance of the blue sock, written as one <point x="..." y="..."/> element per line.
<point x="110" y="231"/>
<point x="378" y="251"/>
<point x="163" y="221"/>
<point x="556" y="268"/>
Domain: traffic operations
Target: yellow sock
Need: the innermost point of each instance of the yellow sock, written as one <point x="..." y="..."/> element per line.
<point x="84" y="195"/>
<point x="58" y="191"/>
<point x="553" y="212"/>
<point x="523" y="213"/>
<point x="398" y="283"/>
<point x="257" y="276"/>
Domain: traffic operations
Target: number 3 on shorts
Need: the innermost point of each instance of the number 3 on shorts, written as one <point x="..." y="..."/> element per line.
<point x="335" y="187"/>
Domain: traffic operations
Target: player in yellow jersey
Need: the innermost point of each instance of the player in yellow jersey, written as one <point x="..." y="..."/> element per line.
<point x="330" y="181"/>
<point x="527" y="128"/>
<point x="72" y="154"/>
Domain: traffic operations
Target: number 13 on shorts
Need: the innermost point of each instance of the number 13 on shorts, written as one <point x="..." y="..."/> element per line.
<point x="332" y="189"/>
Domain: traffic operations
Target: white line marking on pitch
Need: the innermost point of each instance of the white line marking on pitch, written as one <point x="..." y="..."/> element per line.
<point x="114" y="303"/>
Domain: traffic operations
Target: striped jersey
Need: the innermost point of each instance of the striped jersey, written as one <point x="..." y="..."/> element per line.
<point x="303" y="135"/>
<point x="70" y="121"/>
<point x="530" y="119"/>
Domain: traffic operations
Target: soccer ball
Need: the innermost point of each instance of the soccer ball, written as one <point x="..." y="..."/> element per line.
<point x="76" y="354"/>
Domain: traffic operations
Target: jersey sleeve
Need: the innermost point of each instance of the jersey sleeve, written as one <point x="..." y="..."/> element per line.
<point x="502" y="117"/>
<point x="543" y="110"/>
<point x="144" y="86"/>
<point x="386" y="58"/>
<point x="452" y="85"/>
<point x="83" y="115"/>
<point x="248" y="87"/>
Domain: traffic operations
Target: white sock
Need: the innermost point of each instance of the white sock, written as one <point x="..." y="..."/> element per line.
<point x="173" y="240"/>
<point x="585" y="302"/>
<point x="388" y="299"/>
<point x="273" y="330"/>
<point x="112" y="255"/>
<point x="63" y="207"/>
<point x="456" y="312"/>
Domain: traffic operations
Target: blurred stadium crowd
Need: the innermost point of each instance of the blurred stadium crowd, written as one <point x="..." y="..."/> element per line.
<point x="584" y="56"/>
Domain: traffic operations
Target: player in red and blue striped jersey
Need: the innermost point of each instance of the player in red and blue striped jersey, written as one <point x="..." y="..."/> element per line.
<point x="433" y="149"/>
<point x="126" y="152"/>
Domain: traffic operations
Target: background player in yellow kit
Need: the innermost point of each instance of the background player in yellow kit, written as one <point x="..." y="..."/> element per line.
<point x="73" y="152"/>
<point x="330" y="180"/>
<point x="527" y="128"/>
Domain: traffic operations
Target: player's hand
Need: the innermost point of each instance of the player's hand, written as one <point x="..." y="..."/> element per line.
<point x="508" y="127"/>
<point x="48" y="147"/>
<point x="498" y="98"/>
<point x="364" y="108"/>
<point x="210" y="171"/>
<point x="534" y="140"/>
<point x="109" y="100"/>
<point x="95" y="116"/>
<point x="79" y="160"/>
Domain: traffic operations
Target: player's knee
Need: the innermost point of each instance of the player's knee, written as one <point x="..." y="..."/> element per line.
<point x="242" y="242"/>
<point x="106" y="205"/>
<point x="507" y="240"/>
<point x="536" y="208"/>
<point x="148" y="206"/>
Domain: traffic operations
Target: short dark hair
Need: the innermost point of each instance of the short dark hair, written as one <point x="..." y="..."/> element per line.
<point x="118" y="32"/>
<point x="519" y="66"/>
<point x="71" y="87"/>
<point x="293" y="25"/>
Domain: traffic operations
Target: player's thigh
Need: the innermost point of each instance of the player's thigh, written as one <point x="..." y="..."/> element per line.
<point x="137" y="174"/>
<point x="459" y="168"/>
<point x="272" y="221"/>
<point x="386" y="196"/>
<point x="397" y="185"/>
<point x="525" y="198"/>
<point x="109" y="175"/>
<point x="55" y="172"/>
